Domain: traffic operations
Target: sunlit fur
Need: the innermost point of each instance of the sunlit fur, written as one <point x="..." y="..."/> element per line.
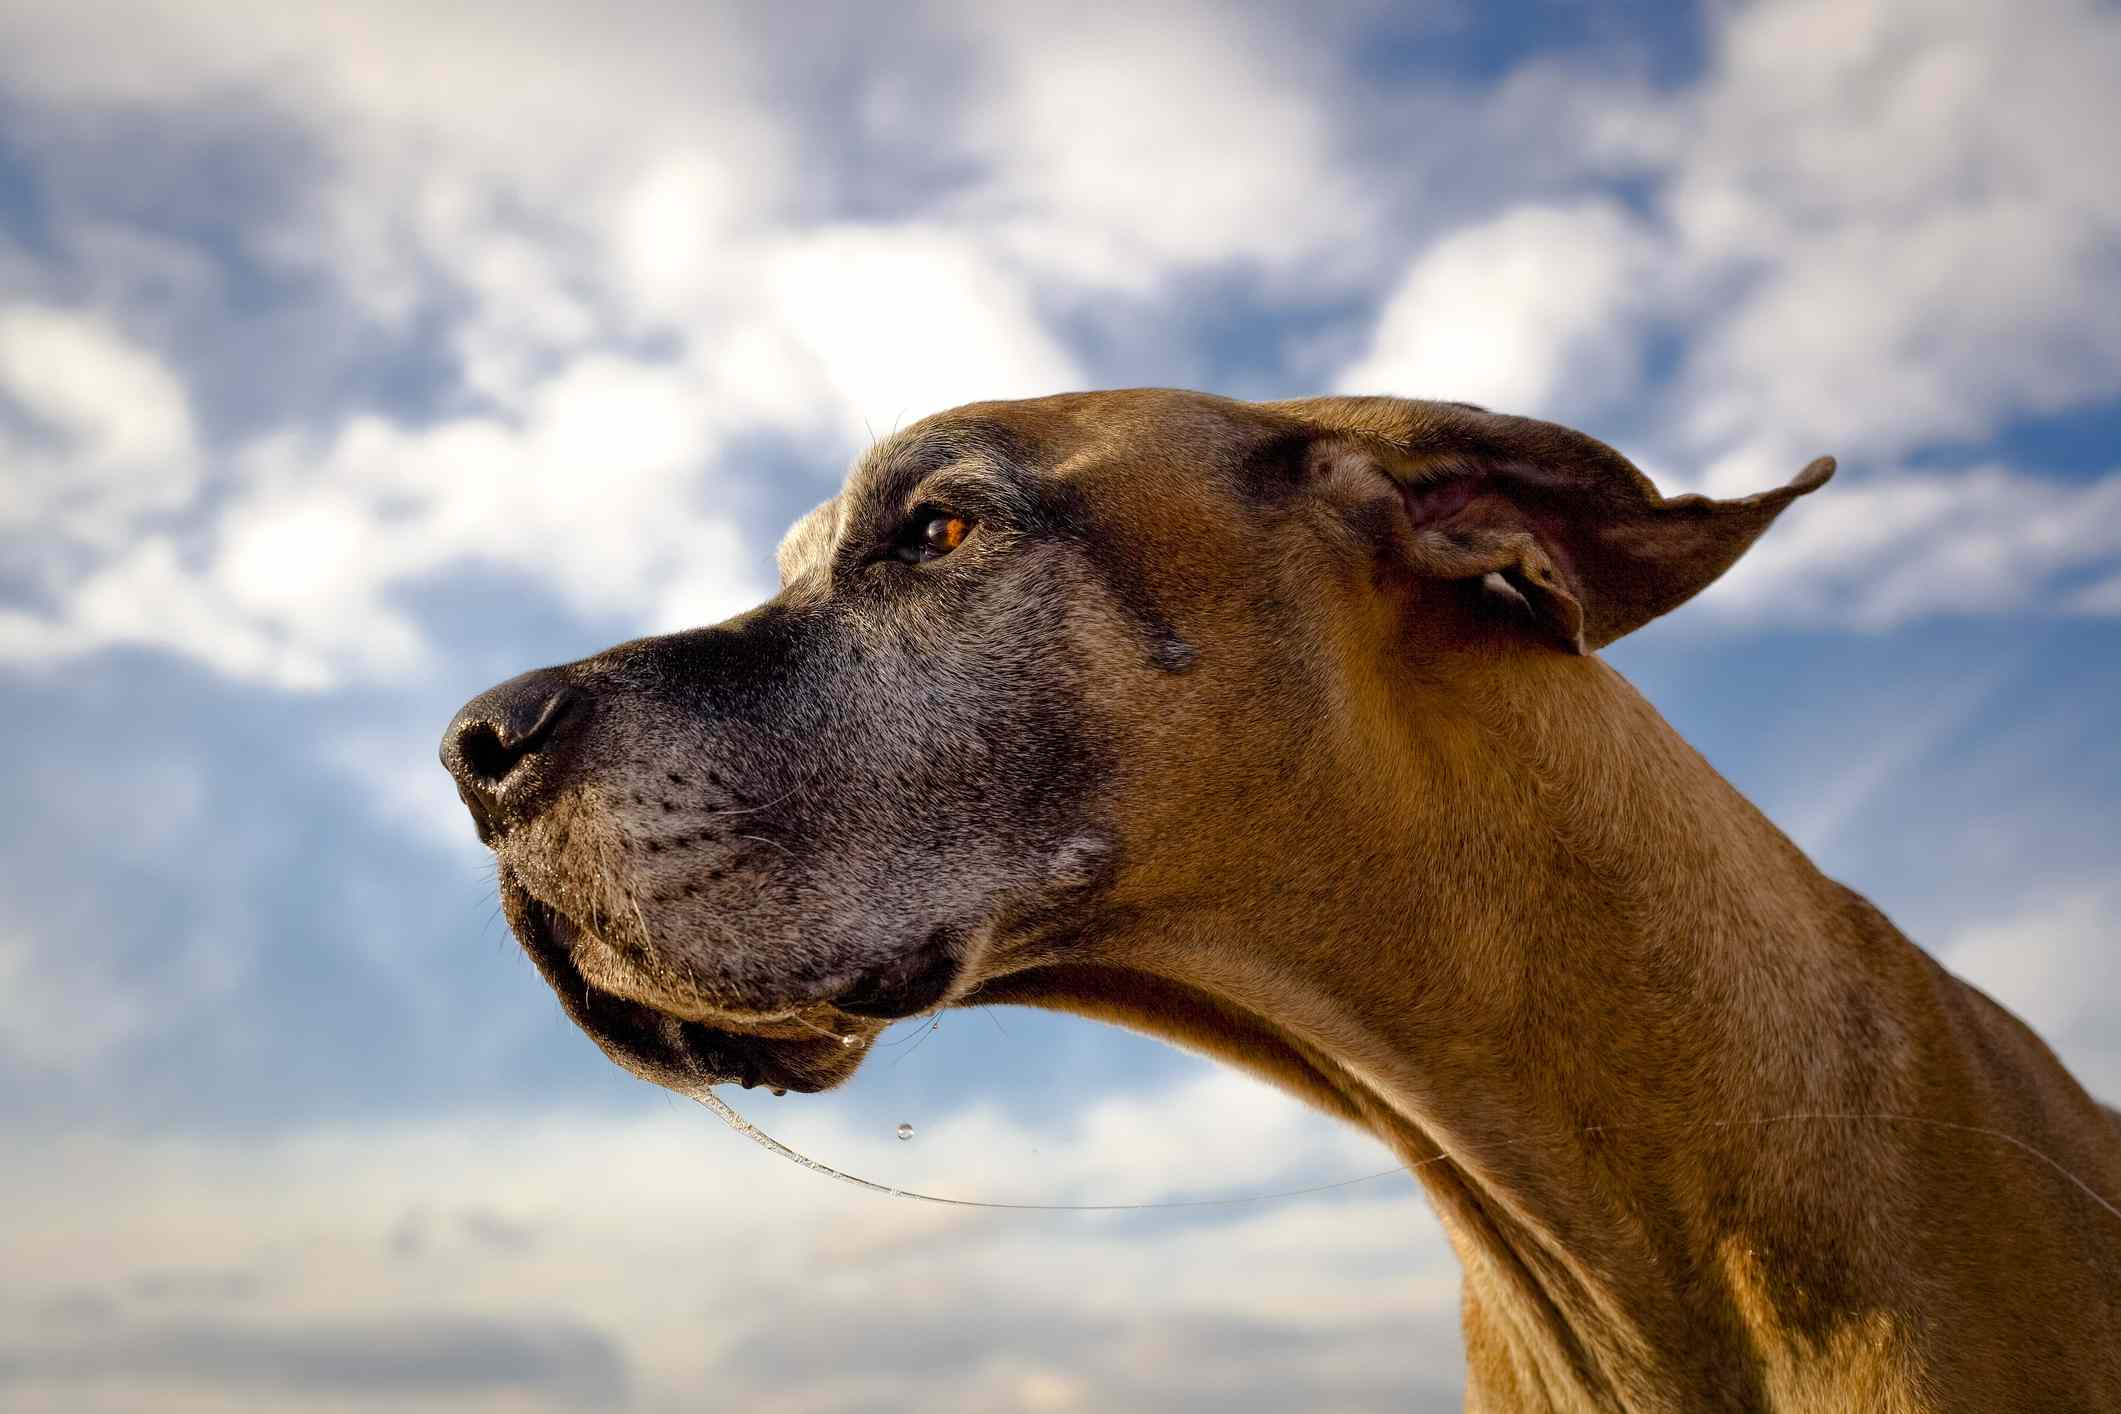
<point x="1246" y="726"/>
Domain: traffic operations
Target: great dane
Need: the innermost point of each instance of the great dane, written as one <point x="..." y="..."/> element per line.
<point x="1278" y="730"/>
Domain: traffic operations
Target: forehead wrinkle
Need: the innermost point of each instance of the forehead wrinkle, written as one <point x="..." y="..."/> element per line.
<point x="893" y="469"/>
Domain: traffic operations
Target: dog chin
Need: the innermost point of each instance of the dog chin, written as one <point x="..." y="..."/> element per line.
<point x="662" y="1045"/>
<point x="677" y="1043"/>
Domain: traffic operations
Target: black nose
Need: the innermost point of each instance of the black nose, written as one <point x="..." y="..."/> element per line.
<point x="506" y="745"/>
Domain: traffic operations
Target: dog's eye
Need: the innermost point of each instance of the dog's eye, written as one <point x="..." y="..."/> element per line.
<point x="932" y="534"/>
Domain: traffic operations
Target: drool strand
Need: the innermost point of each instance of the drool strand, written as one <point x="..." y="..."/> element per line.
<point x="772" y="1145"/>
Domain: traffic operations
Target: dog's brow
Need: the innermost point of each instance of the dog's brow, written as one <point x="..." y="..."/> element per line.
<point x="895" y="464"/>
<point x="893" y="469"/>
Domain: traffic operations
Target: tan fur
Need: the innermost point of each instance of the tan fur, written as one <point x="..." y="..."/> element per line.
<point x="1490" y="905"/>
<point x="1277" y="730"/>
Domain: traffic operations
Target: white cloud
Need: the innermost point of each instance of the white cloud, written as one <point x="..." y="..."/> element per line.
<point x="673" y="225"/>
<point x="1896" y="200"/>
<point x="1930" y="255"/>
<point x="149" y="596"/>
<point x="2052" y="963"/>
<point x="1876" y="553"/>
<point x="710" y="1265"/>
<point x="602" y="489"/>
<point x="1164" y="137"/>
<point x="1538" y="311"/>
<point x="100" y="1010"/>
<point x="1850" y="236"/>
<point x="1875" y="227"/>
<point x="471" y="179"/>
<point x="392" y="762"/>
<point x="108" y="427"/>
<point x="2102" y="598"/>
<point x="902" y="322"/>
<point x="77" y="982"/>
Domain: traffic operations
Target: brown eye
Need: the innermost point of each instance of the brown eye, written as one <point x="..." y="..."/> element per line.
<point x="943" y="534"/>
<point x="935" y="535"/>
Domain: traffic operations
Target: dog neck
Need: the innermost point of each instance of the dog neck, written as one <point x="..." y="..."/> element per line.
<point x="1533" y="941"/>
<point x="1615" y="971"/>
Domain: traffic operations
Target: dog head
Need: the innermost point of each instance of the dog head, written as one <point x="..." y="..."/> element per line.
<point x="1028" y="657"/>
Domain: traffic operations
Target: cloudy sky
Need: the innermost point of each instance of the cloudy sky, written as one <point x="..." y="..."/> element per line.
<point x="355" y="357"/>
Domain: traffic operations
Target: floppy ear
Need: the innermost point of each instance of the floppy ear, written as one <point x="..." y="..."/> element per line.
<point x="1570" y="523"/>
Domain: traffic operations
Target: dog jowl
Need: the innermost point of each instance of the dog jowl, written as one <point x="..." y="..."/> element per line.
<point x="738" y="852"/>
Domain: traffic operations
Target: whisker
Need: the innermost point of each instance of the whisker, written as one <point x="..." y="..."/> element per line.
<point x="817" y="769"/>
<point x="808" y="1025"/>
<point x="907" y="1038"/>
<point x="935" y="1024"/>
<point x="611" y="881"/>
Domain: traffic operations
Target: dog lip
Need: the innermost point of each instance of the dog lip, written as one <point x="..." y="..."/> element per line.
<point x="640" y="1038"/>
<point x="559" y="927"/>
<point x="908" y="985"/>
<point x="666" y="1049"/>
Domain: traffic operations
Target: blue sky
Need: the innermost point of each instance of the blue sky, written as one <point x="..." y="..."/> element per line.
<point x="354" y="359"/>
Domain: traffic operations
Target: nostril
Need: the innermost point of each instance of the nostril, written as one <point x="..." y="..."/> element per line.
<point x="548" y="721"/>
<point x="490" y="746"/>
<point x="489" y="750"/>
<point x="479" y="747"/>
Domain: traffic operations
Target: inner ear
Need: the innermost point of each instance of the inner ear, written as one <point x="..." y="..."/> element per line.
<point x="1456" y="528"/>
<point x="1449" y="527"/>
<point x="1465" y="527"/>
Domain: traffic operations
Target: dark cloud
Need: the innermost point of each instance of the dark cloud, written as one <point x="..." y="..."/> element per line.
<point x="418" y="1231"/>
<point x="894" y="1356"/>
<point x="408" y="1236"/>
<point x="562" y="1361"/>
<point x="497" y="1232"/>
<point x="196" y="1286"/>
<point x="82" y="1308"/>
